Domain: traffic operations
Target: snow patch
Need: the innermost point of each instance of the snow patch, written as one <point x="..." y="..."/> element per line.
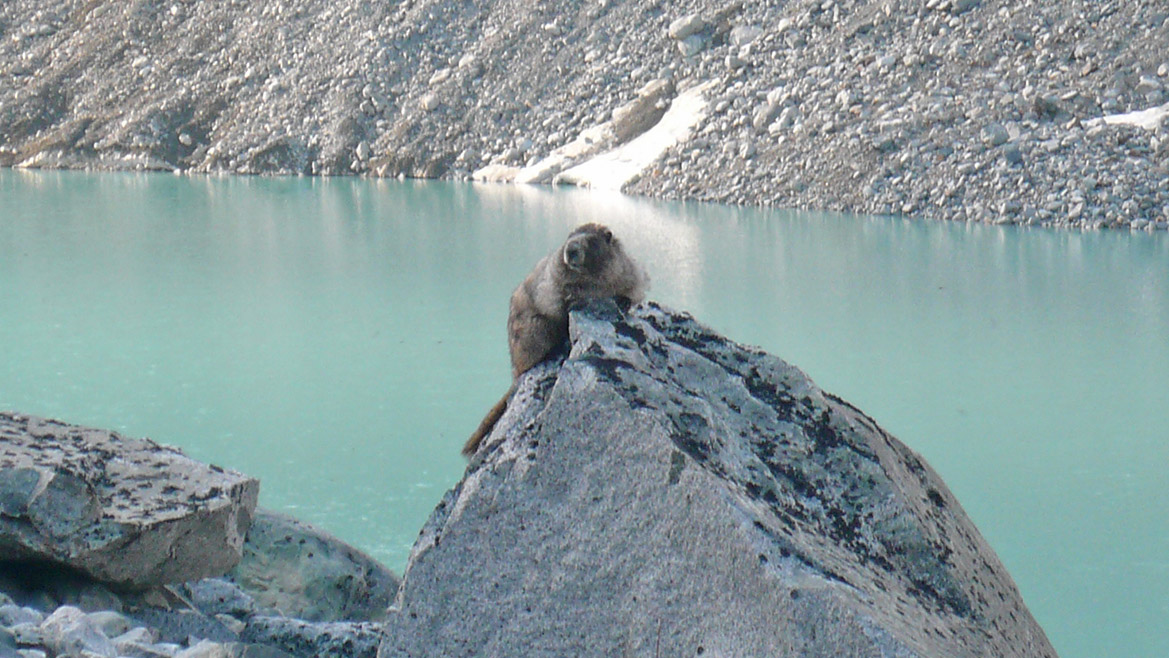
<point x="616" y="168"/>
<point x="1148" y="119"/>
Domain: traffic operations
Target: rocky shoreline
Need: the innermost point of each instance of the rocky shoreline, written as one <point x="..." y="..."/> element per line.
<point x="119" y="547"/>
<point x="967" y="110"/>
<point x="50" y="613"/>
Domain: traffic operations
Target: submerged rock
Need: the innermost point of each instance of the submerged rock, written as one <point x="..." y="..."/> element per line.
<point x="665" y="491"/>
<point x="127" y="512"/>
<point x="306" y="573"/>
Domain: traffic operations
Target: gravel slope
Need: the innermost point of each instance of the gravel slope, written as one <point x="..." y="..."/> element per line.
<point x="977" y="110"/>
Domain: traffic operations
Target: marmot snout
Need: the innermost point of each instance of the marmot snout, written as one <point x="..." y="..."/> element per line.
<point x="585" y="250"/>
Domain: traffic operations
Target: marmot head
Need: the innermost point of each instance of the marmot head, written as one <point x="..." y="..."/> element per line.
<point x="589" y="248"/>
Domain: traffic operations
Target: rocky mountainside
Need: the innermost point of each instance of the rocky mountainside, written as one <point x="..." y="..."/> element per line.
<point x="979" y="110"/>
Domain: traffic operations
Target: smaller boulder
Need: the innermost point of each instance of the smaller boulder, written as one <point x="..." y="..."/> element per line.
<point x="303" y="572"/>
<point x="686" y="26"/>
<point x="994" y="134"/>
<point x="127" y="512"/>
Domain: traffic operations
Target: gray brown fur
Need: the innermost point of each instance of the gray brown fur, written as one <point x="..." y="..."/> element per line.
<point x="591" y="264"/>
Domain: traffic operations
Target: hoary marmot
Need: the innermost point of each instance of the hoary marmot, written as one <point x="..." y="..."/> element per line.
<point x="591" y="264"/>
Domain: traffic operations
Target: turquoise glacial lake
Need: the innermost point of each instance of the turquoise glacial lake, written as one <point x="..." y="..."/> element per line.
<point x="340" y="338"/>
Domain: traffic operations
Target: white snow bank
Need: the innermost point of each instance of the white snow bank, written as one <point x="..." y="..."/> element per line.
<point x="613" y="169"/>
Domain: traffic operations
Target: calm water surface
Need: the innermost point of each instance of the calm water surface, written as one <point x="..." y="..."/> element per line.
<point x="340" y="338"/>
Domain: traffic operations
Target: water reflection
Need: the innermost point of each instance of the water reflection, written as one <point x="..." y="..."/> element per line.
<point x="338" y="338"/>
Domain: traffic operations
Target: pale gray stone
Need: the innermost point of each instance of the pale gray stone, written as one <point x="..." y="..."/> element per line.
<point x="110" y="623"/>
<point x="147" y="650"/>
<point x="233" y="624"/>
<point x="745" y="35"/>
<point x="686" y="26"/>
<point x="137" y="635"/>
<point x="70" y="631"/>
<point x="204" y="649"/>
<point x="994" y="134"/>
<point x="215" y="596"/>
<point x="12" y="614"/>
<point x="764" y="115"/>
<point x="692" y="45"/>
<point x="1148" y="84"/>
<point x="1013" y="154"/>
<point x="310" y="640"/>
<point x="8" y="644"/>
<point x="28" y="634"/>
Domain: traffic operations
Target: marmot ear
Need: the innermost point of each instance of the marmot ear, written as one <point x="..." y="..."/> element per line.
<point x="607" y="234"/>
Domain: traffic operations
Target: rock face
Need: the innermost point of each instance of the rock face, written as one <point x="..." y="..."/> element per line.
<point x="308" y="574"/>
<point x="126" y="512"/>
<point x="665" y="491"/>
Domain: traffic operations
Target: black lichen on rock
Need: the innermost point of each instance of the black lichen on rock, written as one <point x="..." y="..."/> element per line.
<point x="664" y="488"/>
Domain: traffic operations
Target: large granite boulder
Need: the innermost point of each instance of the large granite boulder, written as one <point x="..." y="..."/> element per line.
<point x="126" y="512"/>
<point x="667" y="492"/>
<point x="306" y="573"/>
